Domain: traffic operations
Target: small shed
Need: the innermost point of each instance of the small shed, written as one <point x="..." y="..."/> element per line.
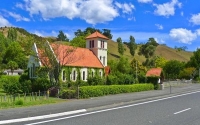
<point x="156" y="72"/>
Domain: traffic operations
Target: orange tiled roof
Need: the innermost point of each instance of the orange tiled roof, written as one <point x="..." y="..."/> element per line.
<point x="96" y="35"/>
<point x="154" y="72"/>
<point x="72" y="56"/>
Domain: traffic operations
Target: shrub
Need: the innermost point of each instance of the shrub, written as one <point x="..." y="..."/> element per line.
<point x="94" y="91"/>
<point x="96" y="80"/>
<point x="19" y="102"/>
<point x="67" y="94"/>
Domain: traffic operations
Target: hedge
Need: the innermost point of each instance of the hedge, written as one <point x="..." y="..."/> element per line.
<point x="95" y="91"/>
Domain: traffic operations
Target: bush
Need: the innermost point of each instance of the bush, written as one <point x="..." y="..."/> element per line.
<point x="97" y="80"/>
<point x="94" y="91"/>
<point x="10" y="84"/>
<point x="67" y="94"/>
<point x="41" y="84"/>
<point x="19" y="102"/>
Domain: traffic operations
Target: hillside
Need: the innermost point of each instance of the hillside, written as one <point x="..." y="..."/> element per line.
<point x="161" y="50"/>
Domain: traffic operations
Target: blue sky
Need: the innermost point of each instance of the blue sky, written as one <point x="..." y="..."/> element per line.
<point x="170" y="22"/>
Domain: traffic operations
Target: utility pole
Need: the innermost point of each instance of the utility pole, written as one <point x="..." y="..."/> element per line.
<point x="136" y="71"/>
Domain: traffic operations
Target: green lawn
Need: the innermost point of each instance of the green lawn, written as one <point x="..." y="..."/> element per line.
<point x="29" y="101"/>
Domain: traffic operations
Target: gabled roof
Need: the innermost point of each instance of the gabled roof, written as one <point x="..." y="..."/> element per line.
<point x="75" y="56"/>
<point x="154" y="72"/>
<point x="96" y="35"/>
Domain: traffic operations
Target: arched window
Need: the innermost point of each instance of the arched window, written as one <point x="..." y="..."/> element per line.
<point x="74" y="75"/>
<point x="83" y="75"/>
<point x="100" y="58"/>
<point x="63" y="75"/>
<point x="104" y="58"/>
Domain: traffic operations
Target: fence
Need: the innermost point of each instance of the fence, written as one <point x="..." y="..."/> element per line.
<point x="34" y="96"/>
<point x="177" y="83"/>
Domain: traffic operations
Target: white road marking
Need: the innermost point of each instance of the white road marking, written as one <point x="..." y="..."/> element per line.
<point x="42" y="117"/>
<point x="132" y="105"/>
<point x="182" y="111"/>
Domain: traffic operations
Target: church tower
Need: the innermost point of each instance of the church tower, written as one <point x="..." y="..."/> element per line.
<point x="97" y="43"/>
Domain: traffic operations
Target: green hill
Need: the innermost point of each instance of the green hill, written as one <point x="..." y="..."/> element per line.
<point x="161" y="50"/>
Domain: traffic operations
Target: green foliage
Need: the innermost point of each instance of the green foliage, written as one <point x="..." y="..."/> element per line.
<point x="12" y="34"/>
<point x="154" y="81"/>
<point x="12" y="65"/>
<point x="107" y="33"/>
<point x="172" y="68"/>
<point x="96" y="80"/>
<point x="95" y="91"/>
<point x="123" y="65"/>
<point x="11" y="84"/>
<point x="78" y="41"/>
<point x="160" y="61"/>
<point x="19" y="102"/>
<point x="67" y="93"/>
<point x="62" y="36"/>
<point x="120" y="46"/>
<point x="187" y="73"/>
<point x="195" y="59"/>
<point x="132" y="45"/>
<point x="41" y="84"/>
<point x="120" y="79"/>
<point x="15" y="53"/>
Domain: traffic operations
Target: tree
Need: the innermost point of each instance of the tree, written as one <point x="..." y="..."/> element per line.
<point x="132" y="45"/>
<point x="78" y="41"/>
<point x="120" y="46"/>
<point x="12" y="34"/>
<point x="12" y="65"/>
<point x="173" y="68"/>
<point x="107" y="33"/>
<point x="62" y="36"/>
<point x="160" y="61"/>
<point x="194" y="59"/>
<point x="14" y="52"/>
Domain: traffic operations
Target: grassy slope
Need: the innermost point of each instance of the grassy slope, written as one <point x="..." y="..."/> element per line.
<point x="161" y="50"/>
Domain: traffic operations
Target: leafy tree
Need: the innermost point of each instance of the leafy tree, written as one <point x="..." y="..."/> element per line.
<point x="132" y="45"/>
<point x="12" y="65"/>
<point x="160" y="61"/>
<point x="78" y="41"/>
<point x="187" y="73"/>
<point x="123" y="65"/>
<point x="194" y="59"/>
<point x="107" y="33"/>
<point x="15" y="53"/>
<point x="62" y="36"/>
<point x="173" y="68"/>
<point x="12" y="34"/>
<point x="120" y="46"/>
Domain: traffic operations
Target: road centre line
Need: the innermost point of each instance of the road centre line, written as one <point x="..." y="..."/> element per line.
<point x="121" y="107"/>
<point x="182" y="111"/>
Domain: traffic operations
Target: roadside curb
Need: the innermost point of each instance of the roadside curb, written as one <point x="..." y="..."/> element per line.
<point x="42" y="117"/>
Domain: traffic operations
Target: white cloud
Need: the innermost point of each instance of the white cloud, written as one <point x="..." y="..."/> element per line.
<point x="195" y="19"/>
<point x="183" y="35"/>
<point x="145" y="1"/>
<point x="92" y="11"/>
<point x="126" y="8"/>
<point x="160" y="41"/>
<point x="182" y="13"/>
<point x="167" y="9"/>
<point x="159" y="26"/>
<point x="18" y="17"/>
<point x="131" y="18"/>
<point x="19" y="5"/>
<point x="198" y="32"/>
<point x="4" y="22"/>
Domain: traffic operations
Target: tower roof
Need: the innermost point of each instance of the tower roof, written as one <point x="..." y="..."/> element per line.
<point x="97" y="35"/>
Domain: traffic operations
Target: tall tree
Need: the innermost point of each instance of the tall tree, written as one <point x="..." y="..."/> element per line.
<point x="78" y="41"/>
<point x="132" y="45"/>
<point x="107" y="33"/>
<point x="62" y="36"/>
<point x="120" y="46"/>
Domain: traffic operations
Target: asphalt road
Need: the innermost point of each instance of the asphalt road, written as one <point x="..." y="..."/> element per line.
<point x="175" y="110"/>
<point x="93" y="104"/>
